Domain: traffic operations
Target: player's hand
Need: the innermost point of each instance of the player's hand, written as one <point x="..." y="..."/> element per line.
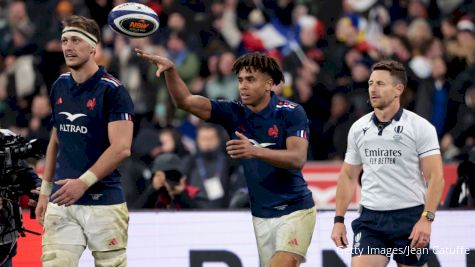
<point x="339" y="235"/>
<point x="163" y="64"/>
<point x="41" y="208"/>
<point x="420" y="234"/>
<point x="241" y="148"/>
<point x="71" y="190"/>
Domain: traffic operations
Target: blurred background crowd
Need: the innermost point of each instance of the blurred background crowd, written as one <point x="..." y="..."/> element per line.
<point x="325" y="48"/>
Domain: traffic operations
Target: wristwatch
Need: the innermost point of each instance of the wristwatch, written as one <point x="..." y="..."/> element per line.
<point x="429" y="215"/>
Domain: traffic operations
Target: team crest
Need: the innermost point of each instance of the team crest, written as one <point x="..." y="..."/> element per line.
<point x="91" y="103"/>
<point x="273" y="131"/>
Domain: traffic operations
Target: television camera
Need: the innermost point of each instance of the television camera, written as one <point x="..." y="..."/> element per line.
<point x="16" y="179"/>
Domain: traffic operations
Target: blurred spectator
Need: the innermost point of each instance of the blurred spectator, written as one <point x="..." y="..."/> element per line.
<point x="168" y="188"/>
<point x="135" y="170"/>
<point x="462" y="193"/>
<point x="171" y="142"/>
<point x="135" y="75"/>
<point x="39" y="121"/>
<point x="224" y="84"/>
<point x="335" y="130"/>
<point x="433" y="95"/>
<point x="212" y="171"/>
<point x="461" y="138"/>
<point x="461" y="51"/>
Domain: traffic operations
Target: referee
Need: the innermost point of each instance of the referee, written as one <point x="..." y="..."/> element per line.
<point x="402" y="181"/>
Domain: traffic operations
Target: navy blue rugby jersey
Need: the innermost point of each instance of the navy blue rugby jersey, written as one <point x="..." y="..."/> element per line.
<point x="274" y="192"/>
<point x="81" y="113"/>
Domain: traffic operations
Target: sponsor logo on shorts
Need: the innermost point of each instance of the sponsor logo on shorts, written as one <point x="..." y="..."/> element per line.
<point x="357" y="240"/>
<point x="282" y="207"/>
<point x="113" y="242"/>
<point x="95" y="196"/>
<point x="293" y="242"/>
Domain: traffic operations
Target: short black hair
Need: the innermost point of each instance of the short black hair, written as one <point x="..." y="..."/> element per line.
<point x="396" y="69"/>
<point x="261" y="62"/>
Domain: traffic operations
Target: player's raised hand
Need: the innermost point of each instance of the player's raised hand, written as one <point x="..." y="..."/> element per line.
<point x="71" y="190"/>
<point x="240" y="148"/>
<point x="163" y="64"/>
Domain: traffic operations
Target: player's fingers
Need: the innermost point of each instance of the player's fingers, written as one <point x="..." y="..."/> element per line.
<point x="344" y="240"/>
<point x="415" y="239"/>
<point x="411" y="236"/>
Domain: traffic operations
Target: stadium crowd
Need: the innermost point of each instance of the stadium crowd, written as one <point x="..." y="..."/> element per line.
<point x="326" y="49"/>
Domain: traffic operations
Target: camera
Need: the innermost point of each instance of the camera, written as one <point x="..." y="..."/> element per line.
<point x="16" y="178"/>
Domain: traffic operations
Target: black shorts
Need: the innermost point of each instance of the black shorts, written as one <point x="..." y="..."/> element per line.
<point x="386" y="233"/>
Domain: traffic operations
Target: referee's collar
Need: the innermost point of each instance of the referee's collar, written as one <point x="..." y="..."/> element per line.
<point x="396" y="117"/>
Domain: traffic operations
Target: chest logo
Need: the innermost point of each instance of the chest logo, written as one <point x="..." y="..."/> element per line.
<point x="59" y="101"/>
<point x="255" y="143"/>
<point x="398" y="129"/>
<point x="273" y="131"/>
<point x="91" y="103"/>
<point x="72" y="117"/>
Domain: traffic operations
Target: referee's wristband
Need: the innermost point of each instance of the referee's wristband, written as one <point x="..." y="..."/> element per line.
<point x="46" y="188"/>
<point x="339" y="219"/>
<point x="89" y="178"/>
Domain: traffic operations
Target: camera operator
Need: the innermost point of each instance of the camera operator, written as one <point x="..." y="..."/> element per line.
<point x="168" y="188"/>
<point x="16" y="178"/>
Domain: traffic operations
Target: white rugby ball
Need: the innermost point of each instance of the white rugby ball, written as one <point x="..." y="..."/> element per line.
<point x="133" y="20"/>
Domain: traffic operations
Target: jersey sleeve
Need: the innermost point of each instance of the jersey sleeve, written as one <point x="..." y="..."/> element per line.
<point x="296" y="123"/>
<point x="427" y="143"/>
<point x="222" y="112"/>
<point x="119" y="104"/>
<point x="52" y="100"/>
<point x="352" y="155"/>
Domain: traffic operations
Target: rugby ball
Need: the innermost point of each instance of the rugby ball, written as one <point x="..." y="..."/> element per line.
<point x="133" y="20"/>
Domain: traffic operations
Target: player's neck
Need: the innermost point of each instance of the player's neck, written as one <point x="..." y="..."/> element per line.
<point x="387" y="113"/>
<point x="85" y="72"/>
<point x="262" y="105"/>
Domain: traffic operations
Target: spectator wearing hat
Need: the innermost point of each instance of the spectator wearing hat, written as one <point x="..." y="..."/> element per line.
<point x="168" y="188"/>
<point x="461" y="51"/>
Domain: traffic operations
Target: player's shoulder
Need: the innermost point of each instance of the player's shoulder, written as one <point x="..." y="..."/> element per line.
<point x="63" y="81"/>
<point x="414" y="120"/>
<point x="62" y="78"/>
<point x="364" y="120"/>
<point x="110" y="81"/>
<point x="286" y="105"/>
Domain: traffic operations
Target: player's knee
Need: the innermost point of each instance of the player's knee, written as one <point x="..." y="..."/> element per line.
<point x="66" y="255"/>
<point x="113" y="258"/>
<point x="285" y="259"/>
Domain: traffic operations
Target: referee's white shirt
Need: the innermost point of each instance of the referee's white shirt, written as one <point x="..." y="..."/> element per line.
<point x="392" y="178"/>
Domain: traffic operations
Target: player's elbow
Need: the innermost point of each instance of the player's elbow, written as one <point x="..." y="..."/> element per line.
<point x="123" y="151"/>
<point x="298" y="163"/>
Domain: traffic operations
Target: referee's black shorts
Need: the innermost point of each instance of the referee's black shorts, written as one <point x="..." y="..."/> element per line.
<point x="386" y="233"/>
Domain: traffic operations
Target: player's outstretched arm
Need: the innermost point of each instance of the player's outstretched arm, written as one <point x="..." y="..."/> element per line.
<point x="198" y="105"/>
<point x="345" y="190"/>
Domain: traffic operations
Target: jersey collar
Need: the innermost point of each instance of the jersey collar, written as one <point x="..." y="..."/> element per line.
<point x="89" y="83"/>
<point x="267" y="111"/>
<point x="396" y="117"/>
